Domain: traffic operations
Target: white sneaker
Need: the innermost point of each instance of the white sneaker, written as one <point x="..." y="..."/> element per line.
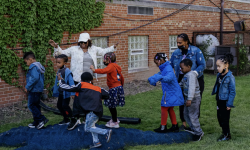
<point x="113" y="125"/>
<point x="79" y="121"/>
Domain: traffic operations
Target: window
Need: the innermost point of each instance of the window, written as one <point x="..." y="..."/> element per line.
<point x="172" y="44"/>
<point x="241" y="1"/>
<point x="240" y="38"/>
<point x="135" y="10"/>
<point x="103" y="43"/>
<point x="137" y="52"/>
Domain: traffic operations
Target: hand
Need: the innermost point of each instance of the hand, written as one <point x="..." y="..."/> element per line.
<point x="92" y="68"/>
<point x="52" y="43"/>
<point x="72" y="97"/>
<point x="188" y="103"/>
<point x="59" y="77"/>
<point x="228" y="108"/>
<point x="116" y="45"/>
<point x="25" y="90"/>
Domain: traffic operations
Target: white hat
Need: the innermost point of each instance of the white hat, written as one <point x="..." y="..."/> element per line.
<point x="84" y="37"/>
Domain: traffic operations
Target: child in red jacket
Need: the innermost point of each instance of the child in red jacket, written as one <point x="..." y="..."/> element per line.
<point x="115" y="83"/>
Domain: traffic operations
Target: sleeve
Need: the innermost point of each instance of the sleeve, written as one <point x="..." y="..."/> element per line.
<point x="201" y="63"/>
<point x="59" y="51"/>
<point x="102" y="51"/>
<point x="191" y="85"/>
<point x="71" y="82"/>
<point x="34" y="77"/>
<point x="72" y="88"/>
<point x="106" y="70"/>
<point x="232" y="92"/>
<point x="168" y="78"/>
<point x="181" y="84"/>
<point x="172" y="60"/>
<point x="122" y="80"/>
<point x="105" y="94"/>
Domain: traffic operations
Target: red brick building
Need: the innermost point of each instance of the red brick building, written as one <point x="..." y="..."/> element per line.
<point x="137" y="47"/>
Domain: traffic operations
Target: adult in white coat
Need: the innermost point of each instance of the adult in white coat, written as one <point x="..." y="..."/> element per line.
<point x="82" y="56"/>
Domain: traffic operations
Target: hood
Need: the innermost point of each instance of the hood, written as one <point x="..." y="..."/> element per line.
<point x="118" y="68"/>
<point x="84" y="37"/>
<point x="39" y="66"/>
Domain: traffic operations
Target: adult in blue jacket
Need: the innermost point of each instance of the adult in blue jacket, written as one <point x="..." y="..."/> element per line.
<point x="187" y="51"/>
<point x="172" y="94"/>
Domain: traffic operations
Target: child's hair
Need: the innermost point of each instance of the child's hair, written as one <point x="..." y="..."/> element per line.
<point x="110" y="56"/>
<point x="29" y="55"/>
<point x="227" y="58"/>
<point x="86" y="77"/>
<point x="160" y="56"/>
<point x="187" y="62"/>
<point x="63" y="56"/>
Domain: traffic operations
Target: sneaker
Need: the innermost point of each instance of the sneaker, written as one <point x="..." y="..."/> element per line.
<point x="42" y="123"/>
<point x="113" y="125"/>
<point x="188" y="129"/>
<point x="161" y="129"/>
<point x="197" y="137"/>
<point x="108" y="136"/>
<point x="79" y="121"/>
<point x="32" y="125"/>
<point x="174" y="128"/>
<point x="64" y="122"/>
<point x="224" y="138"/>
<point x="73" y="123"/>
<point x="182" y="128"/>
<point x="95" y="145"/>
<point x="111" y="120"/>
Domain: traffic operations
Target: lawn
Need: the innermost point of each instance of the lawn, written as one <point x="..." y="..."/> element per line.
<point x="147" y="107"/>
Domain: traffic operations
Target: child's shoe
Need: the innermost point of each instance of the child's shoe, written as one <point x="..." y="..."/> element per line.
<point x="95" y="145"/>
<point x="174" y="128"/>
<point x="161" y="129"/>
<point x="113" y="125"/>
<point x="73" y="124"/>
<point x="197" y="137"/>
<point x="42" y="123"/>
<point x="32" y="125"/>
<point x="188" y="129"/>
<point x="111" y="121"/>
<point x="224" y="138"/>
<point x="108" y="135"/>
<point x="64" y="122"/>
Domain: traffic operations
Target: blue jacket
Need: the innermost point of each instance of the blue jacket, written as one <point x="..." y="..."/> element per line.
<point x="172" y="94"/>
<point x="227" y="88"/>
<point x="194" y="54"/>
<point x="35" y="77"/>
<point x="69" y="80"/>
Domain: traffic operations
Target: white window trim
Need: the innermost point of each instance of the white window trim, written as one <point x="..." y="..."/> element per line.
<point x="171" y="47"/>
<point x="240" y="1"/>
<point x="140" y="14"/>
<point x="137" y="70"/>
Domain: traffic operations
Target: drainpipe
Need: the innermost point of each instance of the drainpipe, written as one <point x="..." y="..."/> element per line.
<point x="221" y="22"/>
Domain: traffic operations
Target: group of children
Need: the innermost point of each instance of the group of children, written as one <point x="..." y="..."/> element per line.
<point x="224" y="89"/>
<point x="88" y="98"/>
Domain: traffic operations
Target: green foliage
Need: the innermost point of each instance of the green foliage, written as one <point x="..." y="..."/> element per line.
<point x="32" y="23"/>
<point x="203" y="47"/>
<point x="243" y="59"/>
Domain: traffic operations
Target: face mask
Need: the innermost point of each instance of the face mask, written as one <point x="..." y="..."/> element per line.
<point x="181" y="47"/>
<point x="105" y="63"/>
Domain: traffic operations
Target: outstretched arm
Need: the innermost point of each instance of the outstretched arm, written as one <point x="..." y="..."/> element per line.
<point x="58" y="50"/>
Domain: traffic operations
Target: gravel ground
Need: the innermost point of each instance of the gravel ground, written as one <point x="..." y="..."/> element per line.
<point x="20" y="111"/>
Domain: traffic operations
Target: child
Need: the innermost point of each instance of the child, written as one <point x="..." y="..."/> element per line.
<point x="224" y="89"/>
<point x="115" y="82"/>
<point x="192" y="97"/>
<point x="34" y="87"/>
<point x="63" y="96"/>
<point x="172" y="95"/>
<point x="88" y="101"/>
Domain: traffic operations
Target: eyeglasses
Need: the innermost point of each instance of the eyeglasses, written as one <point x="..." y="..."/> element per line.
<point x="83" y="42"/>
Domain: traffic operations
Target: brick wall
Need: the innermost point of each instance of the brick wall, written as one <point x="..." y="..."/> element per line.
<point x="158" y="37"/>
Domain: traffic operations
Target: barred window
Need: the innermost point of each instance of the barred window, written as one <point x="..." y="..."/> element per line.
<point x="137" y="52"/>
<point x="172" y="44"/>
<point x="103" y="43"/>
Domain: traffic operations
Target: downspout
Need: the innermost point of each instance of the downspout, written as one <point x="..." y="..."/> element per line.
<point x="221" y="22"/>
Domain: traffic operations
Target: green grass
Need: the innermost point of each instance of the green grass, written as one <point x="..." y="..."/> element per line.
<point x="147" y="107"/>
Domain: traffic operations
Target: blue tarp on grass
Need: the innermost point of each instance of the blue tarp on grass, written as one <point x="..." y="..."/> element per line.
<point x="59" y="138"/>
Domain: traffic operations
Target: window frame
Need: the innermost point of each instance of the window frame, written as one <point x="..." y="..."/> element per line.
<point x="170" y="45"/>
<point x="140" y="14"/>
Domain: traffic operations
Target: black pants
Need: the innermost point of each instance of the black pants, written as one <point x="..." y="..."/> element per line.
<point x="201" y="84"/>
<point x="113" y="112"/>
<point x="63" y="106"/>
<point x="223" y="116"/>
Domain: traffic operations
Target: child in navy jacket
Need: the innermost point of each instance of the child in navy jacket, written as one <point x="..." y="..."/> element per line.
<point x="224" y="89"/>
<point x="172" y="95"/>
<point x="34" y="87"/>
<point x="63" y="96"/>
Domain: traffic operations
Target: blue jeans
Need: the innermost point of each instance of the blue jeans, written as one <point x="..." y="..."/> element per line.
<point x="91" y="119"/>
<point x="34" y="106"/>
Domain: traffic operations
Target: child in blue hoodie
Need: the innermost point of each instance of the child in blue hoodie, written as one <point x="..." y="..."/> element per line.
<point x="34" y="88"/>
<point x="63" y="96"/>
<point x="224" y="89"/>
<point x="172" y="94"/>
